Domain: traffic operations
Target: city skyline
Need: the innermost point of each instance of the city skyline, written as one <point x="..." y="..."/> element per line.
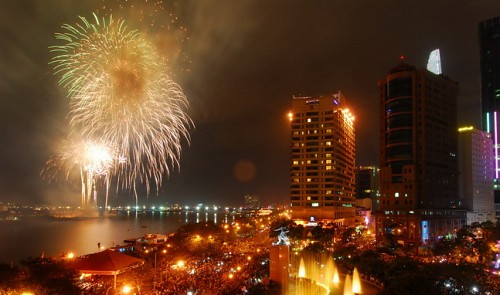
<point x="245" y="61"/>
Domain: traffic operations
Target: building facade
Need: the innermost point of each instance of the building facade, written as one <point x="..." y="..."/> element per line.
<point x="475" y="158"/>
<point x="367" y="184"/>
<point x="322" y="177"/>
<point x="489" y="58"/>
<point x="418" y="157"/>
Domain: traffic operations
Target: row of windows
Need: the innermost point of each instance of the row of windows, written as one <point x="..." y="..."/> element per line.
<point x="298" y="125"/>
<point x="399" y="121"/>
<point x="308" y="162"/>
<point x="316" y="150"/>
<point x="396" y="202"/>
<point x="310" y="114"/>
<point x="399" y="105"/>
<point x="311" y="132"/>
<point x="399" y="135"/>
<point x="399" y="87"/>
<point x="399" y="151"/>
<point x="338" y="190"/>
<point x="321" y="168"/>
<point x="319" y="204"/>
<point x="390" y="212"/>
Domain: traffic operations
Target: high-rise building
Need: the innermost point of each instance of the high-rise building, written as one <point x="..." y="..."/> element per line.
<point x="418" y="161"/>
<point x="475" y="160"/>
<point x="322" y="159"/>
<point x="367" y="184"/>
<point x="489" y="58"/>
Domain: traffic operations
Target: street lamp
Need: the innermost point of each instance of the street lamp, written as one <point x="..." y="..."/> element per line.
<point x="126" y="289"/>
<point x="180" y="263"/>
<point x="154" y="275"/>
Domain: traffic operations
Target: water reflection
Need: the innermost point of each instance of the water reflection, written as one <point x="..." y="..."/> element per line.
<point x="31" y="237"/>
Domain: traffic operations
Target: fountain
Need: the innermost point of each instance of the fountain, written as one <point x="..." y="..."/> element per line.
<point x="348" y="285"/>
<point x="319" y="275"/>
<point x="311" y="274"/>
<point x="356" y="282"/>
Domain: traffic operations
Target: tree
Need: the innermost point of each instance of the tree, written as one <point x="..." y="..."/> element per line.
<point x="443" y="247"/>
<point x="49" y="276"/>
<point x="404" y="276"/>
<point x="349" y="234"/>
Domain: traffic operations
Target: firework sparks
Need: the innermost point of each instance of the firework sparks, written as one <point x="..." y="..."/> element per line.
<point x="120" y="93"/>
<point x="88" y="160"/>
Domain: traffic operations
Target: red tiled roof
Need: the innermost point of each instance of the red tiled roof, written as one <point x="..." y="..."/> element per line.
<point x="105" y="262"/>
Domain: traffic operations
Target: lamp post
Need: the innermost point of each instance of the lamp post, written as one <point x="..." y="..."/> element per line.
<point x="127" y="289"/>
<point x="154" y="275"/>
<point x="155" y="250"/>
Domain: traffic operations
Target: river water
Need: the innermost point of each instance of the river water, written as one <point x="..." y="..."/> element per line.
<point x="34" y="236"/>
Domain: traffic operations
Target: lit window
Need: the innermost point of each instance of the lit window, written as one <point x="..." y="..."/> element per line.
<point x="308" y="120"/>
<point x="396" y="195"/>
<point x="309" y="180"/>
<point x="315" y="204"/>
<point x="328" y="143"/>
<point x="295" y="162"/>
<point x="328" y="161"/>
<point x="328" y="167"/>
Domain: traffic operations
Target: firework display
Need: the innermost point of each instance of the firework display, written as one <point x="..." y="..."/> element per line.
<point x="122" y="97"/>
<point x="89" y="161"/>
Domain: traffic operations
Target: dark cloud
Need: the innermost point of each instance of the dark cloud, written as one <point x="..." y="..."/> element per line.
<point x="239" y="63"/>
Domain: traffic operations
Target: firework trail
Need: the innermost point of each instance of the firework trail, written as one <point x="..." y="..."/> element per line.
<point x="120" y="94"/>
<point x="89" y="161"/>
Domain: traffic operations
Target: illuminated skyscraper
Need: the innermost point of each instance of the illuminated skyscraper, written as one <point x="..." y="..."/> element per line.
<point x="418" y="163"/>
<point x="322" y="159"/>
<point x="475" y="160"/>
<point x="434" y="62"/>
<point x="489" y="58"/>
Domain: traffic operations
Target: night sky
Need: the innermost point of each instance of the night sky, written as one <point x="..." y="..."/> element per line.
<point x="239" y="64"/>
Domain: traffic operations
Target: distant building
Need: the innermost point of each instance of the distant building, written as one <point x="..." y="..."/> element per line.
<point x="475" y="158"/>
<point x="367" y="184"/>
<point x="418" y="161"/>
<point x="322" y="159"/>
<point x="364" y="212"/>
<point x="489" y="58"/>
<point x="252" y="202"/>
